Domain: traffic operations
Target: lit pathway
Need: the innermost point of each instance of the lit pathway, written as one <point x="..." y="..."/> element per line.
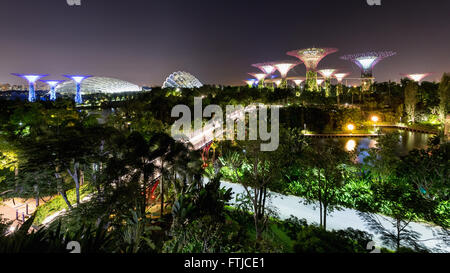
<point x="347" y="218"/>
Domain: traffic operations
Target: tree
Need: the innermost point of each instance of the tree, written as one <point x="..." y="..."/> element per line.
<point x="256" y="171"/>
<point x="411" y="100"/>
<point x="403" y="207"/>
<point x="325" y="176"/>
<point x="444" y="96"/>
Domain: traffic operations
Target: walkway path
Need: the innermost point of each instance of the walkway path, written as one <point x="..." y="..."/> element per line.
<point x="347" y="218"/>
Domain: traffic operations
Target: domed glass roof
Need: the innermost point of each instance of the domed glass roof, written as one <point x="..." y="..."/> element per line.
<point x="96" y="85"/>
<point x="182" y="79"/>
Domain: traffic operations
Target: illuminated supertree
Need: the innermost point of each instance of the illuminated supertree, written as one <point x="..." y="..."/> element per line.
<point x="32" y="79"/>
<point x="416" y="77"/>
<point x="260" y="77"/>
<point x="339" y="89"/>
<point x="251" y="82"/>
<point x="366" y="62"/>
<point x="78" y="79"/>
<point x="283" y="67"/>
<point x="311" y="57"/>
<point x="327" y="74"/>
<point x="52" y="85"/>
<point x="267" y="68"/>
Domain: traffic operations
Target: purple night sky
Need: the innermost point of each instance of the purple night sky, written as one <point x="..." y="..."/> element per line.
<point x="143" y="41"/>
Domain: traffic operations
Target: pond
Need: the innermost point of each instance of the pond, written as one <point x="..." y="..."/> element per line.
<point x="408" y="141"/>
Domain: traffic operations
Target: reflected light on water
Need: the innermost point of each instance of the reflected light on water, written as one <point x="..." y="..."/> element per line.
<point x="351" y="145"/>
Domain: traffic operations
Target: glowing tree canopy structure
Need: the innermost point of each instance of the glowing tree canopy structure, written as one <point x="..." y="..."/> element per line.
<point x="417" y="77"/>
<point x="52" y="85"/>
<point x="327" y="74"/>
<point x="267" y="68"/>
<point x="366" y="62"/>
<point x="260" y="77"/>
<point x="78" y="79"/>
<point x="320" y="82"/>
<point x="251" y="82"/>
<point x="284" y="67"/>
<point x="339" y="89"/>
<point x="298" y="82"/>
<point x="32" y="79"/>
<point x="311" y="57"/>
<point x="341" y="76"/>
<point x="182" y="79"/>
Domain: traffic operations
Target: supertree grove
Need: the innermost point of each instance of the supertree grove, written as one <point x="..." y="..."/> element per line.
<point x="311" y="57"/>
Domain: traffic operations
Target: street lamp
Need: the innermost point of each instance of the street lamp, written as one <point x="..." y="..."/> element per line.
<point x="350" y="127"/>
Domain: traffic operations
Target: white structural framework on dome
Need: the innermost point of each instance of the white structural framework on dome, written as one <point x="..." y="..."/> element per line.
<point x="417" y="77"/>
<point x="311" y="57"/>
<point x="182" y="79"/>
<point x="95" y="85"/>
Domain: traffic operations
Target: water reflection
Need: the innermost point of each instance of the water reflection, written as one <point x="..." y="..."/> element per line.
<point x="408" y="141"/>
<point x="351" y="145"/>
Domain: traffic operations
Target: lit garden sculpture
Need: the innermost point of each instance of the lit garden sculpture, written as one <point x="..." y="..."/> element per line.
<point x="339" y="88"/>
<point x="284" y="68"/>
<point x="366" y="62"/>
<point x="52" y="85"/>
<point x="267" y="68"/>
<point x="417" y="77"/>
<point x="260" y="77"/>
<point x="327" y="74"/>
<point x="78" y="79"/>
<point x="311" y="57"/>
<point x="32" y="79"/>
<point x="251" y="83"/>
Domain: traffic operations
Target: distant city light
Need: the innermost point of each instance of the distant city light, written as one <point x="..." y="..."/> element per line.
<point x="375" y="119"/>
<point x="351" y="127"/>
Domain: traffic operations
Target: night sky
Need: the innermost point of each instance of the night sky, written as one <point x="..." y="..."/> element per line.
<point x="143" y="41"/>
